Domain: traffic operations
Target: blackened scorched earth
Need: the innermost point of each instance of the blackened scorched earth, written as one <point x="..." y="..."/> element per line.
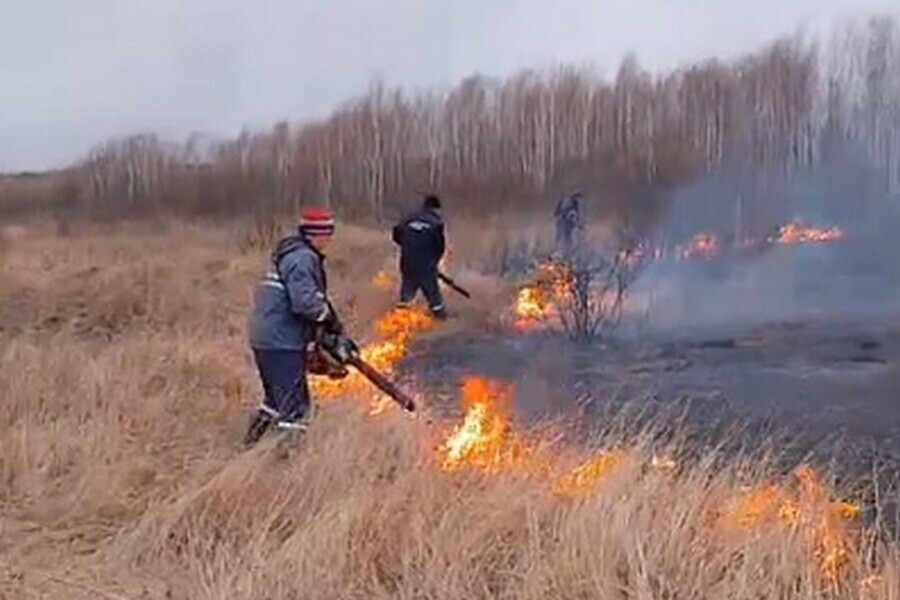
<point x="831" y="388"/>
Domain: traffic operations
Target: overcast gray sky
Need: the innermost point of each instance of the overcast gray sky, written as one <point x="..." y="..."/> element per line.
<point x="76" y="72"/>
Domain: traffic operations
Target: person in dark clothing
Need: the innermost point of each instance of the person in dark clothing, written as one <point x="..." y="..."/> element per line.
<point x="568" y="222"/>
<point x="291" y="302"/>
<point x="421" y="240"/>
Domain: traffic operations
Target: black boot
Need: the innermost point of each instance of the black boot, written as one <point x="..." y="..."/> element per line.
<point x="260" y="422"/>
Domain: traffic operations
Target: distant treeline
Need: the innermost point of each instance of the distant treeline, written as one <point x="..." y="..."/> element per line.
<point x="494" y="145"/>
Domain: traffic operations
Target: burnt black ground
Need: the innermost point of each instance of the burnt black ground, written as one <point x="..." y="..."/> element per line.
<point x="805" y="340"/>
<point x="795" y="353"/>
<point x="830" y="388"/>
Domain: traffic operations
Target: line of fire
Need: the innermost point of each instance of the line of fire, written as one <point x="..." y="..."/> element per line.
<point x="485" y="439"/>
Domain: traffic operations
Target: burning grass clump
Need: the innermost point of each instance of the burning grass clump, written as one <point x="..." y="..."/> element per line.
<point x="394" y="332"/>
<point x="584" y="294"/>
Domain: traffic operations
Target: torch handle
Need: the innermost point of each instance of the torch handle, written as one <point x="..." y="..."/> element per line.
<point x="382" y="383"/>
<point x="453" y="285"/>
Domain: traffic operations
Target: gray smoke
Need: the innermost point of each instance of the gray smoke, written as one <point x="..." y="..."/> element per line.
<point x="857" y="277"/>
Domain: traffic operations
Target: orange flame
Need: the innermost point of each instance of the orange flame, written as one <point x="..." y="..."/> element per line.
<point x="383" y="281"/>
<point x="757" y="505"/>
<point x="536" y="301"/>
<point x="531" y="307"/>
<point x="702" y="246"/>
<point x="401" y="323"/>
<point x="394" y="331"/>
<point x="796" y="233"/>
<point x="483" y="441"/>
<point x="586" y="475"/>
<point x="823" y="521"/>
<point x="830" y="536"/>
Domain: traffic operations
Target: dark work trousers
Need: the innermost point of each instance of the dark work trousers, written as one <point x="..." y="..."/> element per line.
<point x="411" y="283"/>
<point x="565" y="236"/>
<point x="283" y="374"/>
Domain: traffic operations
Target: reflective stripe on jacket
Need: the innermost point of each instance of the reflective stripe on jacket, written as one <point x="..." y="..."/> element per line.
<point x="290" y="298"/>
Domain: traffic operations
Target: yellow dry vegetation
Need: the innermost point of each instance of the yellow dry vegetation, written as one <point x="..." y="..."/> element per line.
<point x="124" y="388"/>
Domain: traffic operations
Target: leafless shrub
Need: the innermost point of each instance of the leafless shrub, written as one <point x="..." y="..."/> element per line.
<point x="596" y="290"/>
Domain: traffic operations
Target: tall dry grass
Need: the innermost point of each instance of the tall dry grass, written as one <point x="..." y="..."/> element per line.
<point x="124" y="388"/>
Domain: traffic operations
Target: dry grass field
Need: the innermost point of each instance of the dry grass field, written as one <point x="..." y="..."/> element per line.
<point x="125" y="384"/>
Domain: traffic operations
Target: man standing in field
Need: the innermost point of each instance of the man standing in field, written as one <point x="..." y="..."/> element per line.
<point x="291" y="302"/>
<point x="568" y="222"/>
<point x="421" y="240"/>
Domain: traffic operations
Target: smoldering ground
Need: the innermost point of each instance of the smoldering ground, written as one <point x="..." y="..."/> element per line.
<point x="797" y="341"/>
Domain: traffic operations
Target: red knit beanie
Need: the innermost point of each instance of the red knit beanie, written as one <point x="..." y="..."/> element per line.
<point x="316" y="221"/>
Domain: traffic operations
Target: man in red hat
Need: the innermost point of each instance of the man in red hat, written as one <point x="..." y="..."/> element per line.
<point x="291" y="302"/>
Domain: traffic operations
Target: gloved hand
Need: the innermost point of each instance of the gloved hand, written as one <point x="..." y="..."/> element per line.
<point x="320" y="361"/>
<point x="333" y="325"/>
<point x="338" y="347"/>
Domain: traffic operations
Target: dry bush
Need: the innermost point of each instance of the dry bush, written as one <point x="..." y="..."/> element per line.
<point x="599" y="278"/>
<point x="121" y="478"/>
